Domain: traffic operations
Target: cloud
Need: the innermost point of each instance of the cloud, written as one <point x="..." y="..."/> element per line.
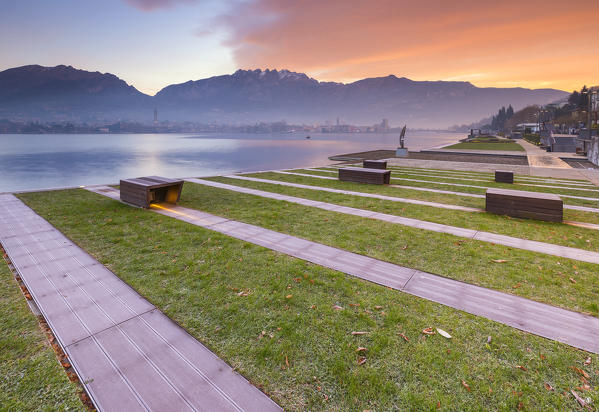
<point x="512" y="40"/>
<point x="150" y="5"/>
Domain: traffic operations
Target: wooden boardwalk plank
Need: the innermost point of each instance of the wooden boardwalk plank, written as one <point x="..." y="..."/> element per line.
<point x="128" y="355"/>
<point x="572" y="328"/>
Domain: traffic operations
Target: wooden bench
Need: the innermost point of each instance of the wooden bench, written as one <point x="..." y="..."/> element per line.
<point x="502" y="176"/>
<point x="361" y="175"/>
<point x="143" y="191"/>
<point x="531" y="205"/>
<point x="375" y="164"/>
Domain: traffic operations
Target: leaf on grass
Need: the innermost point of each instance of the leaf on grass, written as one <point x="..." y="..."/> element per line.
<point x="361" y="349"/>
<point x="517" y="285"/>
<point x="499" y="260"/>
<point x="588" y="361"/>
<point x="465" y="385"/>
<point x="378" y="307"/>
<point x="288" y="296"/>
<point x="405" y="247"/>
<point x="286" y="361"/>
<point x="521" y="367"/>
<point x="428" y="331"/>
<point x="548" y="386"/>
<point x="360" y="333"/>
<point x="489" y="339"/>
<point x="337" y="307"/>
<point x="580" y="371"/>
<point x="361" y="360"/>
<point x="438" y="404"/>
<point x="572" y="280"/>
<point x="443" y="333"/>
<point x="404" y="337"/>
<point x="542" y="356"/>
<point x="244" y="293"/>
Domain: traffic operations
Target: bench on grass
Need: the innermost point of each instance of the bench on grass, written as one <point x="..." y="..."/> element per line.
<point x="502" y="176"/>
<point x="375" y="164"/>
<point x="530" y="205"/>
<point x="361" y="175"/>
<point x="143" y="191"/>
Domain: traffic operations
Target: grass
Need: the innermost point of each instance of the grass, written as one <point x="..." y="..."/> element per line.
<point x="431" y="182"/>
<point x="283" y="333"/>
<point x="30" y="375"/>
<point x="569" y="214"/>
<point x="550" y="232"/>
<point x="487" y="146"/>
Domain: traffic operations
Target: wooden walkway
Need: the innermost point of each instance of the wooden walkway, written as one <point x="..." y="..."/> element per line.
<point x="562" y="325"/>
<point x="425" y="189"/>
<point x="128" y="355"/>
<point x="517" y="243"/>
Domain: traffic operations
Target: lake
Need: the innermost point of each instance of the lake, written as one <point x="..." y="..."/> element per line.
<point x="29" y="161"/>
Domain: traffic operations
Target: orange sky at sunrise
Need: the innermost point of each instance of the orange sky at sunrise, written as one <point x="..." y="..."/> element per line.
<point x="509" y="43"/>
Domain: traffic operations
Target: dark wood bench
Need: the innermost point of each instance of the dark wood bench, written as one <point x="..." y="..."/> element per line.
<point x="375" y="164"/>
<point x="362" y="175"/>
<point x="531" y="205"/>
<point x="143" y="191"/>
<point x="502" y="176"/>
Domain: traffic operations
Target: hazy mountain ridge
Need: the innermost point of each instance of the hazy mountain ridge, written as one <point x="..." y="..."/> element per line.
<point x="63" y="92"/>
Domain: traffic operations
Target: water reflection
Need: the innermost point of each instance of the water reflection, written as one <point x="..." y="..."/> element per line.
<point x="42" y="161"/>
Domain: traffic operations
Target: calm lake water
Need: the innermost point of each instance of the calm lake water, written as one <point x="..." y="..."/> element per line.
<point x="45" y="161"/>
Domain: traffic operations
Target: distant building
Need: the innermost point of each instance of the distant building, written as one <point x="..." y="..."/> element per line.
<point x="155" y="116"/>
<point x="385" y="125"/>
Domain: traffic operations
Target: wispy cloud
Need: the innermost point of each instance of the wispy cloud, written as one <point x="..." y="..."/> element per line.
<point x="149" y="5"/>
<point x="524" y="42"/>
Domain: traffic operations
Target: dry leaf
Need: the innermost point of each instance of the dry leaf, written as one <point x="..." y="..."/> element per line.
<point x="361" y="349"/>
<point x="428" y="331"/>
<point x="404" y="337"/>
<point x="542" y="356"/>
<point x="438" y="404"/>
<point x="405" y="247"/>
<point x="572" y="280"/>
<point x="361" y="360"/>
<point x="548" y="386"/>
<point x="499" y="260"/>
<point x="286" y="361"/>
<point x="521" y="368"/>
<point x="443" y="333"/>
<point x="517" y="285"/>
<point x="378" y="307"/>
<point x="360" y="333"/>
<point x="588" y="361"/>
<point x="580" y="371"/>
<point x="288" y="296"/>
<point x="465" y="385"/>
<point x="337" y="307"/>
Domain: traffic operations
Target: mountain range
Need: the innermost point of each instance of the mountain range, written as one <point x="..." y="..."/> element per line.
<point x="63" y="93"/>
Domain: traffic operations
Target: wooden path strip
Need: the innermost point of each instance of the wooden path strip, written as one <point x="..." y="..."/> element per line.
<point x="554" y="323"/>
<point x="128" y="354"/>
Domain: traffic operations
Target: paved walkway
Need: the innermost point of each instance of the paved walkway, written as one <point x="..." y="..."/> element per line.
<point x="427" y="181"/>
<point x="562" y="325"/>
<point x="128" y="355"/>
<point x="390" y="198"/>
<point x="538" y="157"/>
<point x="519" y="180"/>
<point x="530" y="245"/>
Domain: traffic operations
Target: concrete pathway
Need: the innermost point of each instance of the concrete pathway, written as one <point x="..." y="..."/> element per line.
<point x="427" y="181"/>
<point x="538" y="157"/>
<point x="530" y="245"/>
<point x="519" y="180"/>
<point x="562" y="325"/>
<point x="128" y="355"/>
<point x="390" y="198"/>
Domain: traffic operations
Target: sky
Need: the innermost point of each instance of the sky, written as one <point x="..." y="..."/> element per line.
<point x="153" y="43"/>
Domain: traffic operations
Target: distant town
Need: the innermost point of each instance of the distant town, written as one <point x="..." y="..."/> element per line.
<point x="156" y="126"/>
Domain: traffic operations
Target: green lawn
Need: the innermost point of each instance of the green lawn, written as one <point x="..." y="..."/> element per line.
<point x="431" y="182"/>
<point x="515" y="147"/>
<point x="273" y="318"/>
<point x="30" y="375"/>
<point x="569" y="214"/>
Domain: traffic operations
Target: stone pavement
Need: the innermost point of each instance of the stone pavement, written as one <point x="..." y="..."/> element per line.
<point x="530" y="245"/>
<point x="562" y="325"/>
<point x="127" y="354"/>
